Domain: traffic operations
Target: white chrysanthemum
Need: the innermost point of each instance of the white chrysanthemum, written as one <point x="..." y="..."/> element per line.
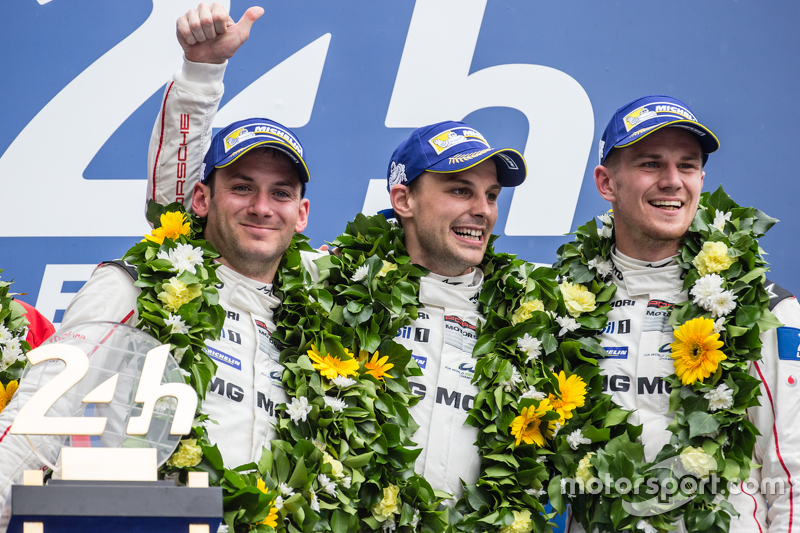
<point x="567" y="324"/>
<point x="722" y="304"/>
<point x="576" y="438"/>
<point x="286" y="490"/>
<point x="719" y="325"/>
<point x="343" y="382"/>
<point x="314" y="501"/>
<point x="414" y="519"/>
<point x="176" y="323"/>
<point x="335" y="404"/>
<point x="530" y="346"/>
<point x="318" y="444"/>
<point x="345" y="481"/>
<point x="705" y="289"/>
<point x="11" y="353"/>
<point x="535" y="493"/>
<point x="178" y="353"/>
<point x="5" y="335"/>
<point x="719" y="398"/>
<point x="604" y="232"/>
<point x="184" y="258"/>
<point x="541" y="459"/>
<point x="513" y="381"/>
<point x="326" y="484"/>
<point x="645" y="526"/>
<point x="557" y="428"/>
<point x="720" y="219"/>
<point x="602" y="267"/>
<point x="389" y="525"/>
<point x="533" y="394"/>
<point x="298" y="410"/>
<point x="360" y="274"/>
<point x="278" y="503"/>
<point x="606" y="219"/>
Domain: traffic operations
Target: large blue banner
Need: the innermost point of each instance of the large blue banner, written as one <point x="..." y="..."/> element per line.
<point x="82" y="81"/>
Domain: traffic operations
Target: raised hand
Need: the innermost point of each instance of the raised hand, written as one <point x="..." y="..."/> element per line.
<point x="209" y="35"/>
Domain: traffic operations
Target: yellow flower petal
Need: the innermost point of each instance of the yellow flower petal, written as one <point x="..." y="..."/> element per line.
<point x="695" y="352"/>
<point x="378" y="367"/>
<point x="331" y="367"/>
<point x="527" y="427"/>
<point x="6" y="393"/>
<point x="571" y="395"/>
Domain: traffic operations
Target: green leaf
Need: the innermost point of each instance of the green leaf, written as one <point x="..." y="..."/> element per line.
<point x="300" y="475"/>
<point x="701" y="423"/>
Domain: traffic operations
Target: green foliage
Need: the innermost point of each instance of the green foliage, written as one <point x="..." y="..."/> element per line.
<point x="13" y="345"/>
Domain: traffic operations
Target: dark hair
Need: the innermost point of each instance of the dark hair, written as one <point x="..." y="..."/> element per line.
<point x="275" y="153"/>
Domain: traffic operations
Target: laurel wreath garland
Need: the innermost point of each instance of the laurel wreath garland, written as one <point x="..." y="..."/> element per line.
<point x="13" y="346"/>
<point x="726" y="311"/>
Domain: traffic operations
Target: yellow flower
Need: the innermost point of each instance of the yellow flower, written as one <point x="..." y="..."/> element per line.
<point x="697" y="462"/>
<point x="695" y="350"/>
<point x="175" y="293"/>
<point x="6" y="393"/>
<point x="387" y="267"/>
<point x="578" y="299"/>
<point x="713" y="258"/>
<point x="522" y="523"/>
<point x="331" y="367"/>
<point x="389" y="505"/>
<point x="526" y="427"/>
<point x="525" y="310"/>
<point x="377" y="366"/>
<point x="583" y="474"/>
<point x="187" y="455"/>
<point x="336" y="467"/>
<point x="272" y="518"/>
<point x="173" y="225"/>
<point x="571" y="395"/>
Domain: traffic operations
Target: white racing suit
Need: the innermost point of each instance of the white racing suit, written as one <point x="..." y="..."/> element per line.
<point x="637" y="339"/>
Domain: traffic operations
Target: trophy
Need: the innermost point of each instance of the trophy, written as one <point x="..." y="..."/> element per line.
<point x="108" y="404"/>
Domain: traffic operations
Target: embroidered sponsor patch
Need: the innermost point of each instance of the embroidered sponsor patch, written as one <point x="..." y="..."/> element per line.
<point x="468" y="156"/>
<point x="459" y="333"/>
<point x="656" y="317"/>
<point x="789" y="344"/>
<point x="453" y="137"/>
<point x="656" y="110"/>
<point x="422" y="362"/>
<point x="224" y="358"/>
<point x="264" y="132"/>
<point x="616" y="352"/>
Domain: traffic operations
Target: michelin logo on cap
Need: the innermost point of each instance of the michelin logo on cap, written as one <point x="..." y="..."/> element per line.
<point x="656" y="110"/>
<point x="450" y="138"/>
<point x="261" y="130"/>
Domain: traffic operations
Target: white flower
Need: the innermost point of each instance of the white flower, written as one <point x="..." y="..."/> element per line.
<point x="720" y="219"/>
<point x="389" y="525"/>
<point x="557" y="428"/>
<point x="286" y="490"/>
<point x="345" y="481"/>
<point x="184" y="258"/>
<point x="335" y="404"/>
<point x="576" y="438"/>
<point x="298" y="410"/>
<point x="531" y="346"/>
<point x="513" y="381"/>
<point x="178" y="353"/>
<point x="719" y="398"/>
<point x="567" y="323"/>
<point x="318" y="444"/>
<point x="603" y="268"/>
<point x="326" y="484"/>
<point x="645" y="526"/>
<point x="541" y="459"/>
<point x="719" y="325"/>
<point x="314" y="501"/>
<point x="278" y="503"/>
<point x="722" y="304"/>
<point x="5" y="335"/>
<point x="361" y="273"/>
<point x="606" y="219"/>
<point x="535" y="493"/>
<point x="343" y="382"/>
<point x="604" y="232"/>
<point x="705" y="289"/>
<point x="11" y="353"/>
<point x="414" y="519"/>
<point x="533" y="394"/>
<point x="177" y="324"/>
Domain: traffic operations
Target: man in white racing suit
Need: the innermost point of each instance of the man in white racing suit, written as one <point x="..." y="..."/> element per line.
<point x="250" y="188"/>
<point x="652" y="173"/>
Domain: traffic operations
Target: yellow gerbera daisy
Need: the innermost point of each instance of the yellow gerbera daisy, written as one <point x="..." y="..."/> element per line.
<point x="695" y="350"/>
<point x="376" y="366"/>
<point x="331" y="367"/>
<point x="527" y="426"/>
<point x="571" y="395"/>
<point x="6" y="393"/>
<point x="173" y="225"/>
<point x="272" y="517"/>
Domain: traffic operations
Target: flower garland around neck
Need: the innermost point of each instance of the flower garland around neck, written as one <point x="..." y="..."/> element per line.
<point x="13" y="346"/>
<point x="716" y="338"/>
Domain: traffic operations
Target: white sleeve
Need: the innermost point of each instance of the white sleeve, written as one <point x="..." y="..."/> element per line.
<point x="182" y="132"/>
<point x="110" y="296"/>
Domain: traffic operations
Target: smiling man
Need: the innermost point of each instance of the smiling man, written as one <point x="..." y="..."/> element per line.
<point x="652" y="156"/>
<point x="443" y="181"/>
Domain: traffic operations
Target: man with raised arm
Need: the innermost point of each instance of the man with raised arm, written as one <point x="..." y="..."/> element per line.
<point x="652" y="156"/>
<point x="249" y="187"/>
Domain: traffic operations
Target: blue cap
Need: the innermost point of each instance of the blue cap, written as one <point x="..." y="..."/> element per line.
<point x="638" y="119"/>
<point x="232" y="142"/>
<point x="448" y="147"/>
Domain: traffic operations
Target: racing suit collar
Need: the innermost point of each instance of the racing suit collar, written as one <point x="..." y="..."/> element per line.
<point x="644" y="277"/>
<point x="470" y="279"/>
<point x="254" y="296"/>
<point x="433" y="290"/>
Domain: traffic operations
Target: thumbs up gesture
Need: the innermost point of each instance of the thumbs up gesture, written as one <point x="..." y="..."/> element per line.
<point x="209" y="35"/>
